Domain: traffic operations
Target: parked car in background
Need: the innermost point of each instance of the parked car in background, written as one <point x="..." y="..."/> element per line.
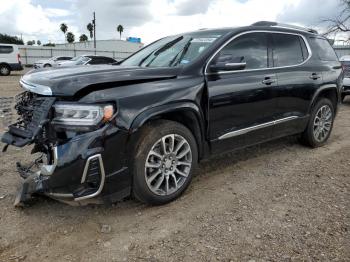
<point x="51" y="62"/>
<point x="10" y="59"/>
<point x="345" y="61"/>
<point x="140" y="127"/>
<point x="88" y="60"/>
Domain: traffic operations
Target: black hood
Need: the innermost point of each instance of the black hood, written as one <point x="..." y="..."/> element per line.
<point x="69" y="81"/>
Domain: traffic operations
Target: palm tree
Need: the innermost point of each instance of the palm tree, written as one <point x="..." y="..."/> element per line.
<point x="83" y="38"/>
<point x="120" y="30"/>
<point x="90" y="28"/>
<point x="64" y="29"/>
<point x="38" y="42"/>
<point x="70" y="37"/>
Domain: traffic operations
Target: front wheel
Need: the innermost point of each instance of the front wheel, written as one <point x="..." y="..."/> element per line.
<point x="166" y="155"/>
<point x="320" y="124"/>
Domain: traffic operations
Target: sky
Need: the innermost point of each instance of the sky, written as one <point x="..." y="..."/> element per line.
<point x="152" y="19"/>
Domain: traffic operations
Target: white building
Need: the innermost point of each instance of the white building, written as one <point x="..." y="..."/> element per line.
<point x="105" y="45"/>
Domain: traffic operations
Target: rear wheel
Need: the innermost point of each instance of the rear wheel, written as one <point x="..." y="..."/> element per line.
<point x="320" y="124"/>
<point x="5" y="70"/>
<point x="166" y="155"/>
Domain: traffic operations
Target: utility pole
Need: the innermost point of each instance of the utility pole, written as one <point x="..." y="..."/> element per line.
<point x="94" y="24"/>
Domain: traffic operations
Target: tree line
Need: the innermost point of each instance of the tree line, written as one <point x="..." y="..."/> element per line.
<point x="70" y="37"/>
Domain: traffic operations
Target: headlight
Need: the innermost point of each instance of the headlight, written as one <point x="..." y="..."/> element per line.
<point x="70" y="114"/>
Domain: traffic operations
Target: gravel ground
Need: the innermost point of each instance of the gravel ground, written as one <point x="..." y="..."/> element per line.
<point x="278" y="201"/>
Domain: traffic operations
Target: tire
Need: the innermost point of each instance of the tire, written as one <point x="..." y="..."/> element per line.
<point x="47" y="66"/>
<point x="321" y="118"/>
<point x="163" y="167"/>
<point x="5" y="70"/>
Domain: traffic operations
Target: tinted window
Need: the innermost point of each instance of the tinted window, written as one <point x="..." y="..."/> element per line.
<point x="249" y="48"/>
<point x="63" y="58"/>
<point x="6" y="49"/>
<point x="100" y="60"/>
<point x="324" y="49"/>
<point x="288" y="50"/>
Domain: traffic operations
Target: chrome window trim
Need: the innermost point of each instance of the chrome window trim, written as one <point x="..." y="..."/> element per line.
<point x="83" y="178"/>
<point x="256" y="127"/>
<point x="35" y="88"/>
<point x="206" y="72"/>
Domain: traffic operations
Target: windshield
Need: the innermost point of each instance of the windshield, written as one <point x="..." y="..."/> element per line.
<point x="76" y="58"/>
<point x="172" y="51"/>
<point x="82" y="60"/>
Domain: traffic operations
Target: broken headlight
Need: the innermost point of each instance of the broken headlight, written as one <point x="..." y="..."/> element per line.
<point x="74" y="114"/>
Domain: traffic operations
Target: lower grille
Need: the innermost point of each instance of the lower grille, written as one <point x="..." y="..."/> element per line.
<point x="93" y="176"/>
<point x="92" y="180"/>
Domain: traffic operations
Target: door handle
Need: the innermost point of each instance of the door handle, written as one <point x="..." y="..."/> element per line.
<point x="268" y="81"/>
<point x="315" y="76"/>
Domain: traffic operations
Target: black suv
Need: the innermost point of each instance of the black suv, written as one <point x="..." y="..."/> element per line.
<point x="140" y="127"/>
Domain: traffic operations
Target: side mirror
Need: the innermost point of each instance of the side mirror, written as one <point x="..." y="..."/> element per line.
<point x="226" y="62"/>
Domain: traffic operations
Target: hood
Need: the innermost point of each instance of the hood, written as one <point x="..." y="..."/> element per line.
<point x="69" y="81"/>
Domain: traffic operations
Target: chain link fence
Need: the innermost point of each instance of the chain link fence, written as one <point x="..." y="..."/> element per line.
<point x="30" y="55"/>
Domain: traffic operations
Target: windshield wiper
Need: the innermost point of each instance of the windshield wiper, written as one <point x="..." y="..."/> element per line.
<point x="183" y="51"/>
<point x="160" y="50"/>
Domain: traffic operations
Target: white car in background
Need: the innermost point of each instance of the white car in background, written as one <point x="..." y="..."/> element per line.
<point x="87" y="60"/>
<point x="345" y="61"/>
<point x="45" y="63"/>
<point x="10" y="59"/>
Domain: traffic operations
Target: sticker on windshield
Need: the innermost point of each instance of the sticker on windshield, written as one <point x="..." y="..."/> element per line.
<point x="203" y="40"/>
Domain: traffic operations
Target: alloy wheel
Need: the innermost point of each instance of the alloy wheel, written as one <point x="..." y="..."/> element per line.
<point x="168" y="164"/>
<point x="322" y="123"/>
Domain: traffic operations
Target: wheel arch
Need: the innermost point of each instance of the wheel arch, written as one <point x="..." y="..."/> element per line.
<point x="330" y="92"/>
<point x="187" y="114"/>
<point x="6" y="64"/>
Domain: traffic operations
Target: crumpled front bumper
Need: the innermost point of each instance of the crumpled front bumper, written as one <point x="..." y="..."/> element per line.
<point x="90" y="167"/>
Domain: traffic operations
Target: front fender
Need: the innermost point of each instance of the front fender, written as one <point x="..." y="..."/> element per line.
<point x="146" y="115"/>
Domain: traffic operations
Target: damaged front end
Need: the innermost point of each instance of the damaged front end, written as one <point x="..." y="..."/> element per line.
<point x="77" y="162"/>
<point x="31" y="127"/>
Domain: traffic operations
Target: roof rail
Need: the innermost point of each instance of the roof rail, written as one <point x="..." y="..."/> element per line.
<point x="275" y="24"/>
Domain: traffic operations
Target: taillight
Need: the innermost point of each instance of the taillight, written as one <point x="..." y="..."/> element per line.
<point x="19" y="58"/>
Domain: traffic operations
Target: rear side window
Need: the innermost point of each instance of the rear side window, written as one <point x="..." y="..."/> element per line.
<point x="250" y="48"/>
<point x="324" y="50"/>
<point x="4" y="49"/>
<point x="288" y="50"/>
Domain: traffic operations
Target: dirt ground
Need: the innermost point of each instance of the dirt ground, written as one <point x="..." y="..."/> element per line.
<point x="278" y="201"/>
